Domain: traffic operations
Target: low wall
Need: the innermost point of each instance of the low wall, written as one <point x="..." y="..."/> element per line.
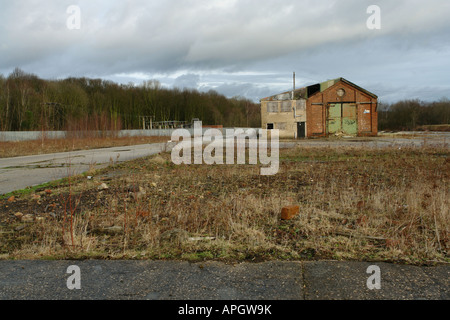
<point x="30" y="135"/>
<point x="12" y="136"/>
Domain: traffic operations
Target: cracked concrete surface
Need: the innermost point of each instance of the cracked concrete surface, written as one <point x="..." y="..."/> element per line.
<point x="180" y="280"/>
<point x="21" y="172"/>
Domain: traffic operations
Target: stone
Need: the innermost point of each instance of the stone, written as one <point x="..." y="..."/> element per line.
<point x="290" y="212"/>
<point x="103" y="186"/>
<point x="28" y="218"/>
<point x="18" y="215"/>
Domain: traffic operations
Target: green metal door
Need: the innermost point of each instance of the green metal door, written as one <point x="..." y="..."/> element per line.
<point x="349" y="119"/>
<point x="334" y="118"/>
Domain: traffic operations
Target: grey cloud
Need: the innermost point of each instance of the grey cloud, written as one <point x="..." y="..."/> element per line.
<point x="318" y="40"/>
<point x="187" y="81"/>
<point x="247" y="90"/>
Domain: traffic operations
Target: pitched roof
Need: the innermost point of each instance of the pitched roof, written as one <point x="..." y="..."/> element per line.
<point x="306" y="92"/>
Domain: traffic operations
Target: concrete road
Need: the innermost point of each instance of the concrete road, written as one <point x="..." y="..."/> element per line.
<point x="175" y="280"/>
<point x="21" y="172"/>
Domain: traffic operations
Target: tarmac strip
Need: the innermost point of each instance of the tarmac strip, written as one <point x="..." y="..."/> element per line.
<point x="177" y="280"/>
<point x="22" y="172"/>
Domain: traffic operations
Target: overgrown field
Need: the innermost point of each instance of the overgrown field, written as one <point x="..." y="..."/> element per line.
<point x="355" y="204"/>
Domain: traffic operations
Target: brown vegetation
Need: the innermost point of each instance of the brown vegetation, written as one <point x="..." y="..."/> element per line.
<point x="436" y="128"/>
<point x="355" y="204"/>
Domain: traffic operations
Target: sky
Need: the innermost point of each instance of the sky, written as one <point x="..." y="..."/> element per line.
<point x="237" y="47"/>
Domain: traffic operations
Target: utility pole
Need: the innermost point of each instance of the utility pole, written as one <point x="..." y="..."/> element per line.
<point x="293" y="91"/>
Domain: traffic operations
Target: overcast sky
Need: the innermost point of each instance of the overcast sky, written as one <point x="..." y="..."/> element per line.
<point x="236" y="47"/>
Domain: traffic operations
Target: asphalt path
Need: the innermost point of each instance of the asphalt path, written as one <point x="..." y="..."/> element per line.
<point x="178" y="280"/>
<point x="21" y="172"/>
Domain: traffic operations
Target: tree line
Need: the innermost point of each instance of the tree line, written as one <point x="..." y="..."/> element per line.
<point x="28" y="102"/>
<point x="411" y="115"/>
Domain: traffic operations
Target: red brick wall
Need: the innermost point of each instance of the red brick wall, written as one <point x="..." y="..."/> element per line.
<point x="316" y="114"/>
<point x="315" y="117"/>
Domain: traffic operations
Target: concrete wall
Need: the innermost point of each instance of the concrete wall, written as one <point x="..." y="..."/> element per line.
<point x="13" y="136"/>
<point x="30" y="135"/>
<point x="283" y="120"/>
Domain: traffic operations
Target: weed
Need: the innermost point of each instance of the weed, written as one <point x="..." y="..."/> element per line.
<point x="355" y="204"/>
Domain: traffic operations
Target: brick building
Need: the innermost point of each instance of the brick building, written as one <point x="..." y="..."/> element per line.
<point x="334" y="107"/>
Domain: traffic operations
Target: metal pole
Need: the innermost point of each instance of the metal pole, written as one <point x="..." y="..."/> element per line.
<point x="293" y="92"/>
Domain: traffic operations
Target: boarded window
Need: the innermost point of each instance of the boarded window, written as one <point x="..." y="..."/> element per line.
<point x="272" y="107"/>
<point x="301" y="105"/>
<point x="286" y="106"/>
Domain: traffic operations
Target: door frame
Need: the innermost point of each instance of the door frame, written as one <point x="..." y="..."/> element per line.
<point x="299" y="125"/>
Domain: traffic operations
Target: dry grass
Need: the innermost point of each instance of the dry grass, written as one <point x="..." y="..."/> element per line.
<point x="356" y="204"/>
<point x="437" y="128"/>
<point x="25" y="148"/>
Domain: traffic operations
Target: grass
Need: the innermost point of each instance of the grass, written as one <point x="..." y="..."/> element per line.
<point x="33" y="147"/>
<point x="34" y="189"/>
<point x="356" y="204"/>
<point x="438" y="128"/>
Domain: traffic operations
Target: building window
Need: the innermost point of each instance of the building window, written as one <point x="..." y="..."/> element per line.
<point x="341" y="93"/>
<point x="272" y="107"/>
<point x="301" y="105"/>
<point x="270" y="126"/>
<point x="286" y="106"/>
